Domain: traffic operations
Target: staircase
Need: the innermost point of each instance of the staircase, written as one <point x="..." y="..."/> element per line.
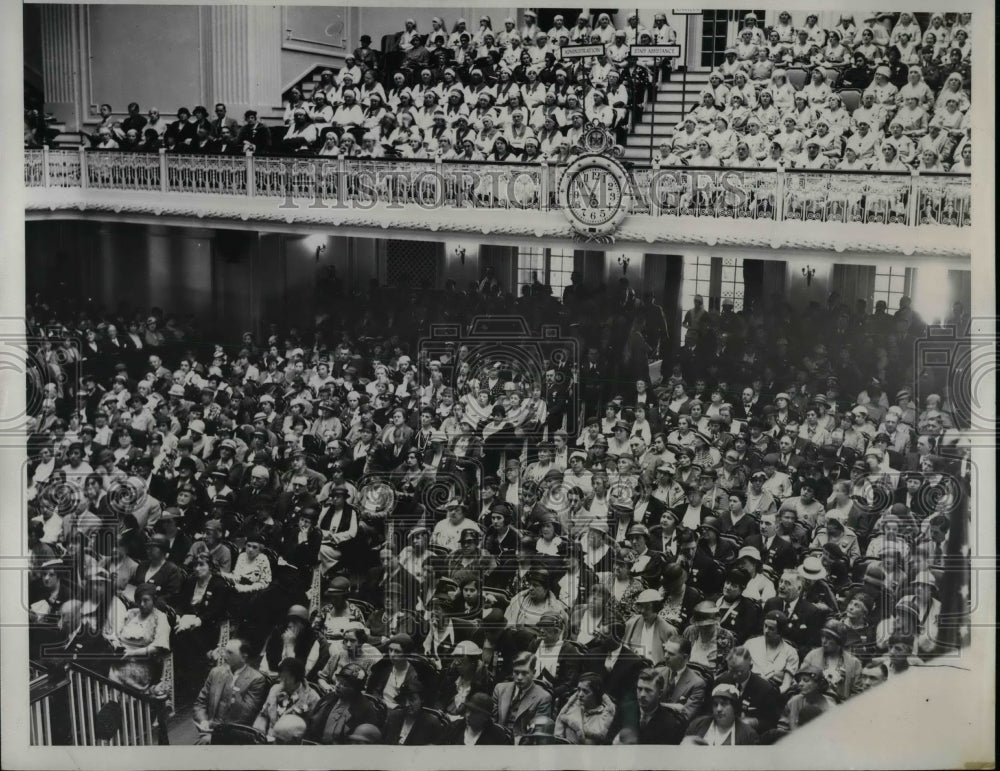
<point x="673" y="100"/>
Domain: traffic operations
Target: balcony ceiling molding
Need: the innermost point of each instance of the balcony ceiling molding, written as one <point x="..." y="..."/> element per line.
<point x="637" y="231"/>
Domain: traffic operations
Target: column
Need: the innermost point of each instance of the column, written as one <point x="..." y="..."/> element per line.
<point x="230" y="59"/>
<point x="246" y="57"/>
<point x="61" y="63"/>
<point x="192" y="283"/>
<point x="265" y="55"/>
<point x="159" y="270"/>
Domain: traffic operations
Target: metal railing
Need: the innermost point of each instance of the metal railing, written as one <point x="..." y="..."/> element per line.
<point x="781" y="195"/>
<point x="92" y="710"/>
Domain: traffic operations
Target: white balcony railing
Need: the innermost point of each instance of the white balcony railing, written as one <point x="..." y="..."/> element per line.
<point x="908" y="199"/>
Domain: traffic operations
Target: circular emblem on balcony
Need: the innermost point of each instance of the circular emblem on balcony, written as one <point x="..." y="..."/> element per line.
<point x="595" y="192"/>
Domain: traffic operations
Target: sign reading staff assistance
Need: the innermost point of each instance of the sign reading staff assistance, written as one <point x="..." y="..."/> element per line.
<point x="670" y="50"/>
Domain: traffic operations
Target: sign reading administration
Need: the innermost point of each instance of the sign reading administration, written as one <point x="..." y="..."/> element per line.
<point x="579" y="52"/>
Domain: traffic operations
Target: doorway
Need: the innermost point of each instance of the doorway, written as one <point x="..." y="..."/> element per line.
<point x="718" y="31"/>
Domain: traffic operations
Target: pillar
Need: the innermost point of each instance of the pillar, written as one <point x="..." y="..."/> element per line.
<point x="193" y="285"/>
<point x="61" y="63"/>
<point x="246" y="57"/>
<point x="158" y="269"/>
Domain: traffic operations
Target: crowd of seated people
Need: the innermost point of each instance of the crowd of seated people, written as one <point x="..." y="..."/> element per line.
<point x="779" y="98"/>
<point x="501" y="95"/>
<point x="336" y="539"/>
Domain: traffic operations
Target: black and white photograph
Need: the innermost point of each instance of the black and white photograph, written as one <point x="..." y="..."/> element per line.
<point x="555" y="379"/>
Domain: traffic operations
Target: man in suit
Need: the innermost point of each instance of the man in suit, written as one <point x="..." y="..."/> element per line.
<point x="592" y="383"/>
<point x="620" y="668"/>
<point x="223" y="120"/>
<point x="477" y="727"/>
<point x="656" y="724"/>
<point x="233" y="693"/>
<point x="556" y="399"/>
<point x="685" y="688"/>
<point x="775" y="550"/>
<point x="520" y="701"/>
<point x="760" y="702"/>
<point x="180" y="542"/>
<point x="804" y="619"/>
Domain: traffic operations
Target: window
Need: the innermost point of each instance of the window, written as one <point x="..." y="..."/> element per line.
<point x="560" y="270"/>
<point x="696" y="280"/>
<point x="714" y="278"/>
<point x="551" y="266"/>
<point x="732" y="281"/>
<point x="891" y="283"/>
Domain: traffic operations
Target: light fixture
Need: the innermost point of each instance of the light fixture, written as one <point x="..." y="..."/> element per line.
<point x="317" y="243"/>
<point x="809" y="272"/>
<point x="624" y="261"/>
<point x="460" y="253"/>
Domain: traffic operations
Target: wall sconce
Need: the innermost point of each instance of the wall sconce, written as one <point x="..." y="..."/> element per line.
<point x="460" y="253"/>
<point x="624" y="261"/>
<point x="319" y="250"/>
<point x="809" y="272"/>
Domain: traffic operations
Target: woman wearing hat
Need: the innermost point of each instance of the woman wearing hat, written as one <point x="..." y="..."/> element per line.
<point x="647" y="631"/>
<point x="477" y="726"/>
<point x="410" y="724"/>
<point x="812" y="699"/>
<point x="464" y="676"/>
<point x="144" y="638"/>
<point x="202" y="606"/>
<point x="527" y="607"/>
<point x="723" y="727"/>
<point x="710" y="643"/>
<point x="389" y="675"/>
<point x="354" y="650"/>
<point x="710" y="543"/>
<point x="339" y="714"/>
<point x="858" y="625"/>
<point x="738" y="613"/>
<point x="841" y="669"/>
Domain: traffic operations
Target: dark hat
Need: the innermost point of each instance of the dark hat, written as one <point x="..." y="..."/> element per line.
<point x="338" y="585"/>
<point x="835" y="629"/>
<point x="777" y="615"/>
<point x="712" y="523"/>
<point x="160" y="541"/>
<point x="480" y="702"/>
<point x="739" y="577"/>
<point x="144" y="589"/>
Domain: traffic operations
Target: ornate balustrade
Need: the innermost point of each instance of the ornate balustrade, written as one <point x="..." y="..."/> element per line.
<point x="687" y="192"/>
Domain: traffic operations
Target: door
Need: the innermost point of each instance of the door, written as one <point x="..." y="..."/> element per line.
<point x="718" y="32"/>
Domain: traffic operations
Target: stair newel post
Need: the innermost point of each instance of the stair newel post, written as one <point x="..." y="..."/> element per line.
<point x="164" y="177"/>
<point x="45" y="165"/>
<point x="654" y="187"/>
<point x="779" y="194"/>
<point x="84" y="181"/>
